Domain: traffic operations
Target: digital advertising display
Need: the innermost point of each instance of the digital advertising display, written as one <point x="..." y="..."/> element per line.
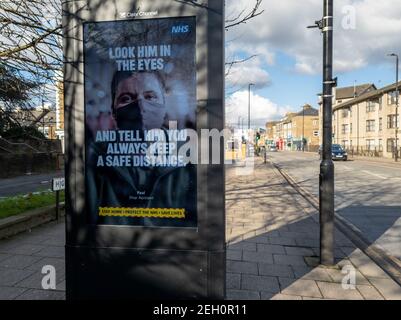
<point x="140" y="100"/>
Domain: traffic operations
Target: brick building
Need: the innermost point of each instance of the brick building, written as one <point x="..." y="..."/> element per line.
<point x="295" y="128"/>
<point x="366" y="124"/>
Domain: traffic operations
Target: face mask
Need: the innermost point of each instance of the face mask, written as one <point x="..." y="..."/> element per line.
<point x="141" y="115"/>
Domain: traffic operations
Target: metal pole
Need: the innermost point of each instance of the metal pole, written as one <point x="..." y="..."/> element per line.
<point x="57" y="204"/>
<point x="303" y="129"/>
<point x="396" y="109"/>
<point x="249" y="107"/>
<point x="326" y="187"/>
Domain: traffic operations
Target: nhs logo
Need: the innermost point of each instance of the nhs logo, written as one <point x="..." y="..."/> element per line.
<point x="180" y="29"/>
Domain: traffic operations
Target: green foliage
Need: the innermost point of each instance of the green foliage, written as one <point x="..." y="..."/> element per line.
<point x="17" y="132"/>
<point x="15" y="205"/>
<point x="13" y="87"/>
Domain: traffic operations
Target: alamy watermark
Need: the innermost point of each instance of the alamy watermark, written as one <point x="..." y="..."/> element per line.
<point x="49" y="278"/>
<point x="171" y="147"/>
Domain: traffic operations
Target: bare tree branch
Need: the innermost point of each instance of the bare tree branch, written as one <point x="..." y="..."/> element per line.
<point x="244" y="17"/>
<point x="31" y="36"/>
<point x="230" y="64"/>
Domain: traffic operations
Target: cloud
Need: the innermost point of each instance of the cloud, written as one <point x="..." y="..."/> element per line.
<point x="282" y="28"/>
<point x="262" y="109"/>
<point x="251" y="71"/>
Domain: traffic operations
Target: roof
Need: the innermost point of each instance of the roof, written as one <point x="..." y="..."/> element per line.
<point x="271" y="123"/>
<point x="288" y="117"/>
<point x="308" y="112"/>
<point x="350" y="92"/>
<point x="369" y="95"/>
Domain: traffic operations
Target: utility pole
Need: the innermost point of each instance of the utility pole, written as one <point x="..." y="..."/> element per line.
<point x="249" y="106"/>
<point x="397" y="93"/>
<point x="249" y="119"/>
<point x="303" y="128"/>
<point x="326" y="177"/>
<point x="396" y="109"/>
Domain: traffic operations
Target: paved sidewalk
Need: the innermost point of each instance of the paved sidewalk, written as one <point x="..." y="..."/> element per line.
<point x="273" y="237"/>
<point x="21" y="261"/>
<point x="272" y="252"/>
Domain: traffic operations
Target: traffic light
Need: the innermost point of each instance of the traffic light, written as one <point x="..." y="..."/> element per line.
<point x="257" y="135"/>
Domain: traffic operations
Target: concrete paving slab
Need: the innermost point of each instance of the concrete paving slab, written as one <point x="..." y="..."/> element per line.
<point x="260" y="283"/>
<point x="303" y="288"/>
<point x="336" y="291"/>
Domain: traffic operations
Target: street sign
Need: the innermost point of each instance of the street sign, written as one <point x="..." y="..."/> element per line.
<point x="143" y="226"/>
<point x="58" y="184"/>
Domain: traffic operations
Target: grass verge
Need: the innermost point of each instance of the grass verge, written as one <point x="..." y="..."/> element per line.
<point x="19" y="204"/>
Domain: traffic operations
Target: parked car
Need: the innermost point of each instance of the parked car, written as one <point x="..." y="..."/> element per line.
<point x="337" y="152"/>
<point x="272" y="149"/>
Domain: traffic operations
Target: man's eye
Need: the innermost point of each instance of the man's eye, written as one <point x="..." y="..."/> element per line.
<point x="151" y="96"/>
<point x="125" y="99"/>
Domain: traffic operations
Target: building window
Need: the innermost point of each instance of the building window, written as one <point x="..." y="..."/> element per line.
<point x="344" y="129"/>
<point x="345" y="113"/>
<point x="370" y="106"/>
<point x="350" y="128"/>
<point x="350" y="112"/>
<point x="390" y="145"/>
<point x="315" y="123"/>
<point x="315" y="133"/>
<point x="391" y="121"/>
<point x="380" y="145"/>
<point x="392" y="97"/>
<point x="370" y="144"/>
<point x="370" y="125"/>
<point x="380" y="124"/>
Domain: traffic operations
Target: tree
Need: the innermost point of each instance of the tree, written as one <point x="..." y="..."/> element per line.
<point x="243" y="17"/>
<point x="31" y="38"/>
<point x="30" y="53"/>
<point x="22" y="132"/>
<point x="14" y="92"/>
<point x="13" y="87"/>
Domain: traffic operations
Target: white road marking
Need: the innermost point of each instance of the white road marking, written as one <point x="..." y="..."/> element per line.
<point x="375" y="175"/>
<point x="376" y="164"/>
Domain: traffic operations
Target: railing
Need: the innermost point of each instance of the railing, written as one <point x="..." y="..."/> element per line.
<point x="40" y="145"/>
<point x="16" y="147"/>
<point x="365" y="152"/>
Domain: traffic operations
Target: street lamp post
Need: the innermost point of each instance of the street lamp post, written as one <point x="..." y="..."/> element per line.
<point x="249" y="116"/>
<point x="396" y="105"/>
<point x="326" y="177"/>
<point x="303" y="128"/>
<point x="326" y="189"/>
<point x="249" y="106"/>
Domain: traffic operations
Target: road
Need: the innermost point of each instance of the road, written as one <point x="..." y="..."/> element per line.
<point x="367" y="193"/>
<point x="26" y="184"/>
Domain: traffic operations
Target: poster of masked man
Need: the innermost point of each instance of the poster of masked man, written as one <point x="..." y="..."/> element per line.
<point x="140" y="98"/>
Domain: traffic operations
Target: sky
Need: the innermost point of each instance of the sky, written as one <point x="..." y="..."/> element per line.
<point x="287" y="67"/>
